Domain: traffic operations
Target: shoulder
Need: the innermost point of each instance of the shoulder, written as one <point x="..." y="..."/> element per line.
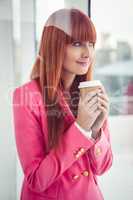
<point x="31" y="85"/>
<point x="27" y="93"/>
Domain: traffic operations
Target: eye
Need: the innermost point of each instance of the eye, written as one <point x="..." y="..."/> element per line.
<point x="91" y="44"/>
<point x="77" y="44"/>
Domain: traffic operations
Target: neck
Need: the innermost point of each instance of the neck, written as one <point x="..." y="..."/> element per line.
<point x="67" y="80"/>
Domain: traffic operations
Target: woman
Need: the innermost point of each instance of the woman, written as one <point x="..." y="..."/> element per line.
<point x="63" y="141"/>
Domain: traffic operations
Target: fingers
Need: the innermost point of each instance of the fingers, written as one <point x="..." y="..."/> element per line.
<point x="93" y="108"/>
<point x="103" y="109"/>
<point x="103" y="105"/>
<point x="89" y="96"/>
<point x="94" y="111"/>
<point x="97" y="100"/>
<point x="103" y="100"/>
<point x="103" y="96"/>
<point x="103" y="89"/>
<point x="93" y="101"/>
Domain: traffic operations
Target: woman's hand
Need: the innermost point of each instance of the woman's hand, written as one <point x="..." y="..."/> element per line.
<point x="88" y="110"/>
<point x="103" y="106"/>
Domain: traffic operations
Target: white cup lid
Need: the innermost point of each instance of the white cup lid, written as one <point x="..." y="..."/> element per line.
<point x="90" y="84"/>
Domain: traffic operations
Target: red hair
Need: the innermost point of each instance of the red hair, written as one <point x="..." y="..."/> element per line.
<point x="48" y="65"/>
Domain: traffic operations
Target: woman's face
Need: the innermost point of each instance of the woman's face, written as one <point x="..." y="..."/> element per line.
<point x="78" y="57"/>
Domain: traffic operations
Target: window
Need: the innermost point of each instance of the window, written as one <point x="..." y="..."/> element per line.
<point x="114" y="55"/>
<point x="114" y="67"/>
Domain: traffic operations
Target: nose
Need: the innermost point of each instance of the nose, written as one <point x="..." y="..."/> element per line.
<point x="86" y="53"/>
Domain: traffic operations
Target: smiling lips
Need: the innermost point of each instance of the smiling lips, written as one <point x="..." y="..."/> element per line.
<point x="83" y="63"/>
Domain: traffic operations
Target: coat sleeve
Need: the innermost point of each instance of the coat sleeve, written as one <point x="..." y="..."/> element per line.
<point x="41" y="169"/>
<point x="100" y="154"/>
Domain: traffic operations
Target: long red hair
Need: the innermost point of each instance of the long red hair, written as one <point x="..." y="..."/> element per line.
<point x="49" y="62"/>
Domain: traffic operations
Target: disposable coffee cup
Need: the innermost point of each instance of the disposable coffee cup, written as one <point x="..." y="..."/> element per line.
<point x="86" y="87"/>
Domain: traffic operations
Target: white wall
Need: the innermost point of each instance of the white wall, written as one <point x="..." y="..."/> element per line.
<point x="15" y="64"/>
<point x="7" y="152"/>
<point x="117" y="183"/>
<point x="82" y="5"/>
<point x="24" y="58"/>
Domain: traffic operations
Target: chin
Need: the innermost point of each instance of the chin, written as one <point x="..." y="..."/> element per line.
<point x="81" y="72"/>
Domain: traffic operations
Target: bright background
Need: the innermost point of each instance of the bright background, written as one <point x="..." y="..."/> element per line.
<point x="21" y="24"/>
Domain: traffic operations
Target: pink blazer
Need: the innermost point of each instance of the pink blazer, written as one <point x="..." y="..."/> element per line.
<point x="70" y="172"/>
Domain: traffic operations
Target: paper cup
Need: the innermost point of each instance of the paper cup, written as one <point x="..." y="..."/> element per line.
<point x="89" y="86"/>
